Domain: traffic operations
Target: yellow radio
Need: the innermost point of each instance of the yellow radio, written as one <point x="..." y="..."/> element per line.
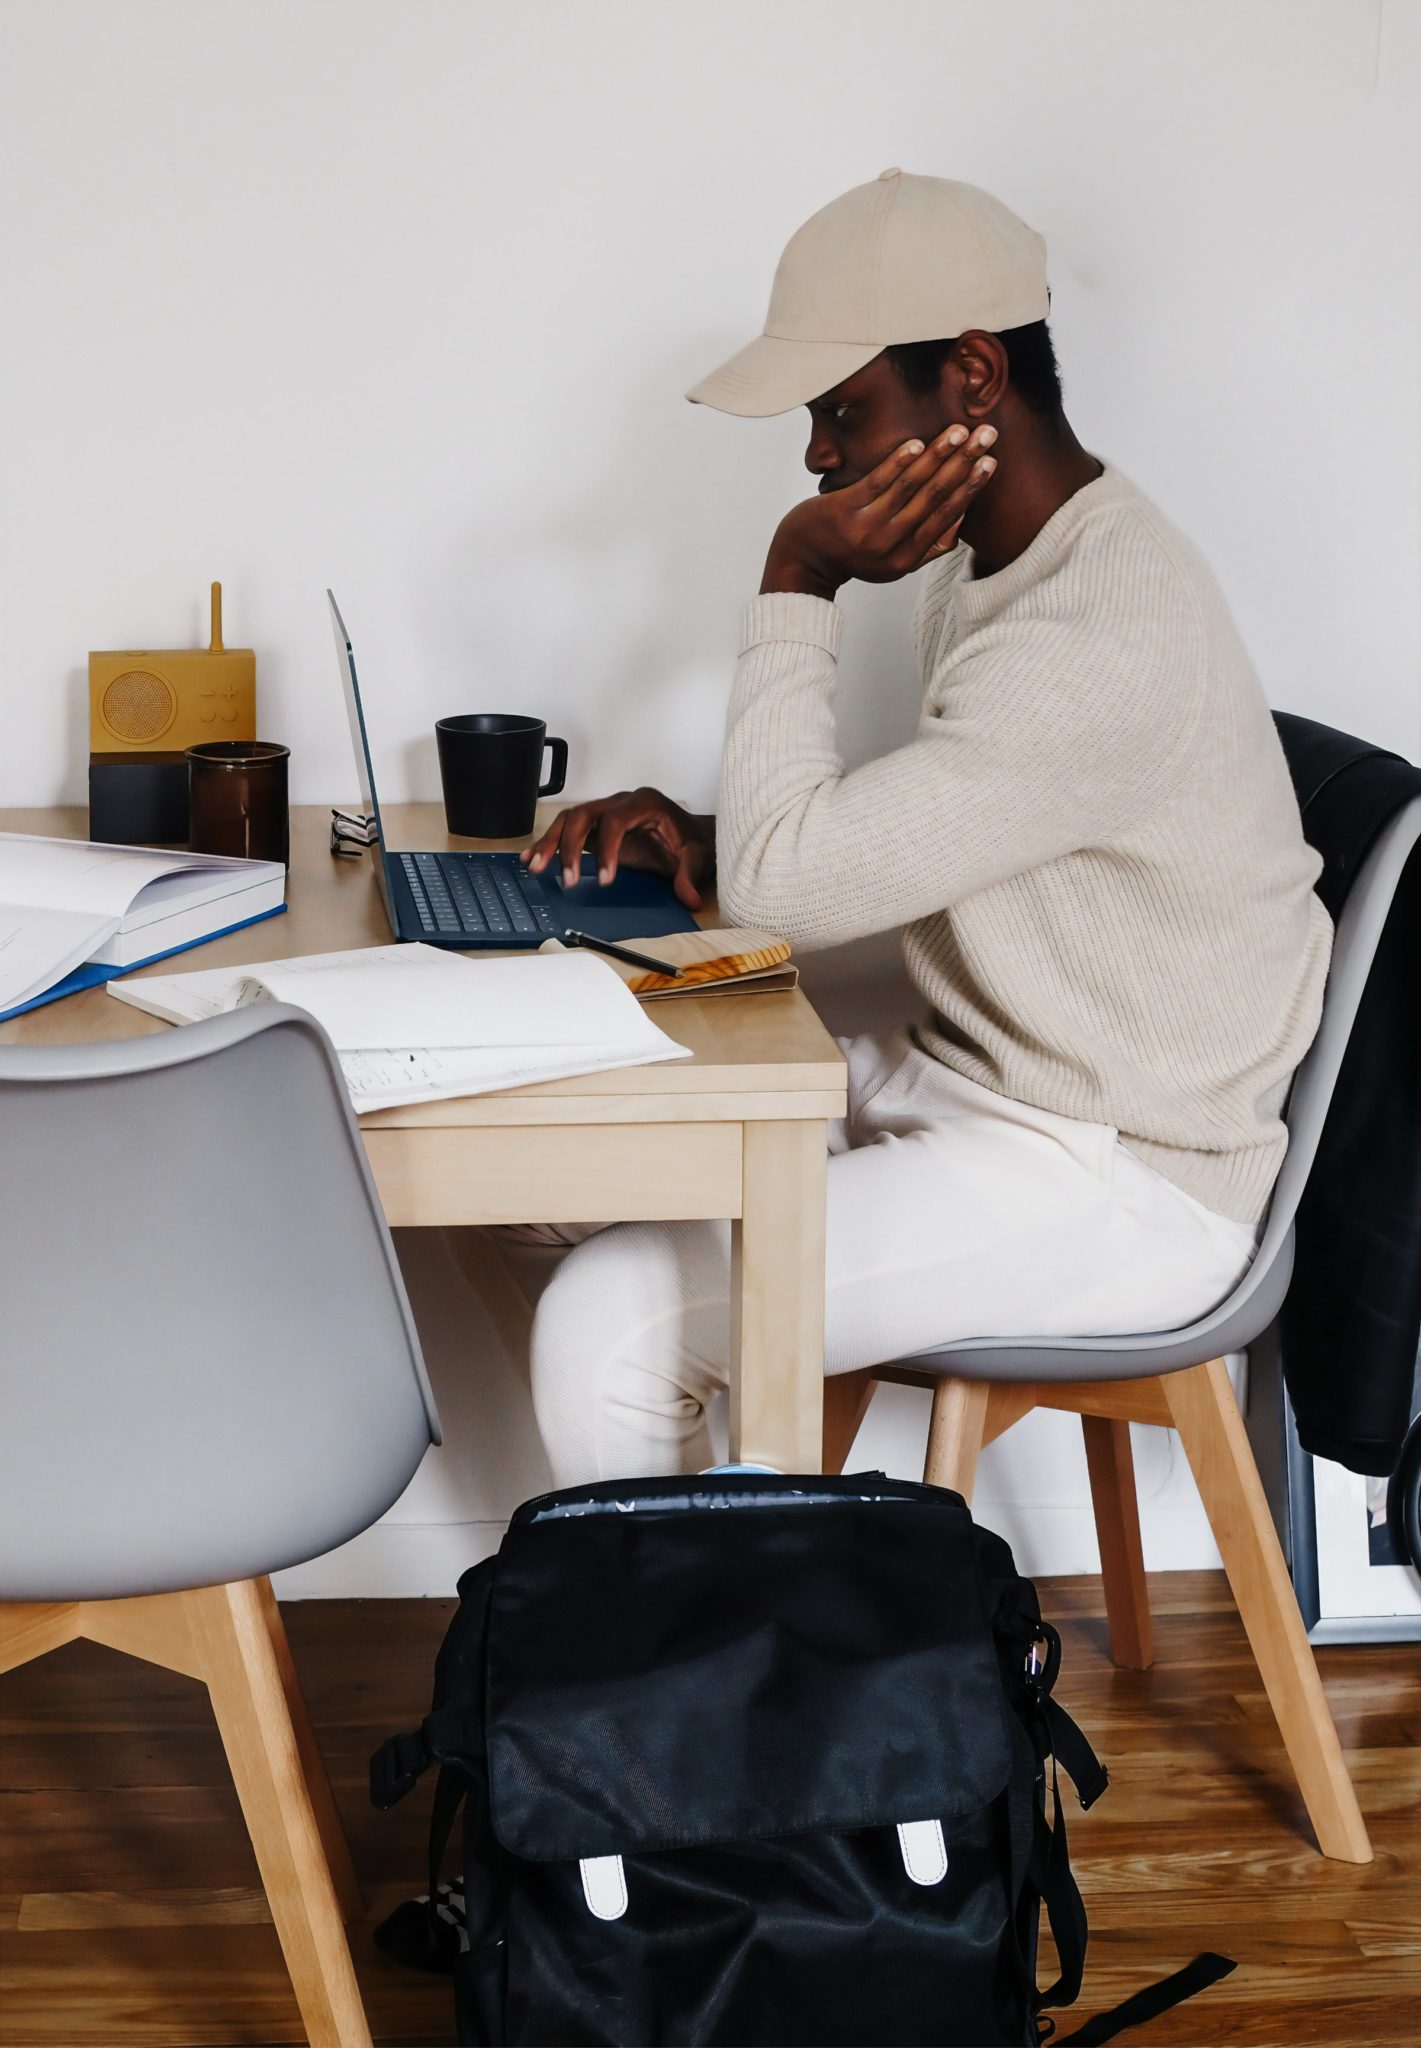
<point x="160" y="703"/>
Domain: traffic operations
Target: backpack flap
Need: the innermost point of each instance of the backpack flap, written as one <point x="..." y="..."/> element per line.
<point x="675" y="1663"/>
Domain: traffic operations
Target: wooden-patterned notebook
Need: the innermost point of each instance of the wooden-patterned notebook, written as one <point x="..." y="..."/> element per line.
<point x="712" y="963"/>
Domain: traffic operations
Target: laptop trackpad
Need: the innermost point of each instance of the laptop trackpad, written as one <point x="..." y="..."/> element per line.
<point x="634" y="904"/>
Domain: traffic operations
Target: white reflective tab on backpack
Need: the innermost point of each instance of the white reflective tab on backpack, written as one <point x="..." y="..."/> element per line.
<point x="924" y="1851"/>
<point x="604" y="1885"/>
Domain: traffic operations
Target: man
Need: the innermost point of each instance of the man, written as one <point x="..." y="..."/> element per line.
<point x="1092" y="848"/>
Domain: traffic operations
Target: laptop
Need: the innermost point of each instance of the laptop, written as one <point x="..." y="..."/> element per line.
<point x="490" y="900"/>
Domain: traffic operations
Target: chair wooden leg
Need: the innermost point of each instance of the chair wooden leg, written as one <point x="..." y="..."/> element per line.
<point x="956" y="1434"/>
<point x="32" y="1628"/>
<point x="313" y="1765"/>
<point x="846" y="1399"/>
<point x="157" y="1628"/>
<point x="1117" y="1524"/>
<point x="231" y="1629"/>
<point x="1203" y="1410"/>
<point x="153" y="1626"/>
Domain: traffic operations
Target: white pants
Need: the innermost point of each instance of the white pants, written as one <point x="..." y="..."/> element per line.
<point x="952" y="1213"/>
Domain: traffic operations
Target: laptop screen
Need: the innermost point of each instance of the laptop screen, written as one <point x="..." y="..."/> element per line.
<point x="364" y="766"/>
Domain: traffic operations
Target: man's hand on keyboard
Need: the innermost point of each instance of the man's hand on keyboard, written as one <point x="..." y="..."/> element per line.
<point x="903" y="514"/>
<point x="639" y="826"/>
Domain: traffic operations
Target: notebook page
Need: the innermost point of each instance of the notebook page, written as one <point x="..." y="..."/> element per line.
<point x="389" y="1077"/>
<point x="517" y="1004"/>
<point x="389" y="1080"/>
<point x="187" y="998"/>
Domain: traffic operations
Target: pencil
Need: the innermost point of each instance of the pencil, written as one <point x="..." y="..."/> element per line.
<point x="624" y="953"/>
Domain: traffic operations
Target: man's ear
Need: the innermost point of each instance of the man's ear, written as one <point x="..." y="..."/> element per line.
<point x="978" y="366"/>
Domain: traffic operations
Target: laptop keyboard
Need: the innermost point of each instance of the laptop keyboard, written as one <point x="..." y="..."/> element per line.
<point x="458" y="897"/>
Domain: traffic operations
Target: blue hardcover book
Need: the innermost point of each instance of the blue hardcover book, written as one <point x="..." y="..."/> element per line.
<point x="74" y="912"/>
<point x="92" y="975"/>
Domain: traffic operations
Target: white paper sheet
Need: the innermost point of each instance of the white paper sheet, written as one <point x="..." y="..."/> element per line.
<point x="462" y="1005"/>
<point x="389" y="1080"/>
<point x="386" y="1077"/>
<point x="186" y="998"/>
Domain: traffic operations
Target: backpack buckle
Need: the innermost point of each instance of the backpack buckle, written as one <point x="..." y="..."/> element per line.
<point x="1041" y="1669"/>
<point x="395" y="1767"/>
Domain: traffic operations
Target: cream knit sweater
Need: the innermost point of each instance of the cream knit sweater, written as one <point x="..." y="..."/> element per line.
<point x="1092" y="845"/>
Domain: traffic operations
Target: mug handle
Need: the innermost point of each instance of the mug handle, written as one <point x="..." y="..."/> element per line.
<point x="559" y="774"/>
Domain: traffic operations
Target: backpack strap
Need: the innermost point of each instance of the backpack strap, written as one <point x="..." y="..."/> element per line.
<point x="1050" y="1871"/>
<point x="447" y="1737"/>
<point x="452" y="1736"/>
<point x="1022" y="1633"/>
<point x="453" y="1729"/>
<point x="1049" y="1864"/>
<point x="397" y="1766"/>
<point x="1074" y="1754"/>
<point x="1153" y="2000"/>
<point x="451" y="1789"/>
<point x="418" y="1933"/>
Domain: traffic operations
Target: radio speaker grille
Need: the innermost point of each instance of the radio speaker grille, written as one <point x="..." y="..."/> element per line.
<point x="138" y="706"/>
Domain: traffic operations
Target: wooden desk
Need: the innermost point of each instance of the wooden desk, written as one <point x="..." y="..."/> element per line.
<point x="737" y="1131"/>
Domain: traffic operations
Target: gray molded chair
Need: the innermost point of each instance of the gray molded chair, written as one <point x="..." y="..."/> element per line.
<point x="1177" y="1378"/>
<point x="210" y="1371"/>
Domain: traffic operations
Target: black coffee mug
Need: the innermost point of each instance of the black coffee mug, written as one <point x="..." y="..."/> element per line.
<point x="490" y="767"/>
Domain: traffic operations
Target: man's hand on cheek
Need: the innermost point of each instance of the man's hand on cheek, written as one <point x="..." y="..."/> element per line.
<point x="903" y="513"/>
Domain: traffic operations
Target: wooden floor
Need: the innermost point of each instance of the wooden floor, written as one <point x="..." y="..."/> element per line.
<point x="130" y="1910"/>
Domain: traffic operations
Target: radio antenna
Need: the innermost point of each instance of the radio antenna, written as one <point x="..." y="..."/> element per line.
<point x="217" y="647"/>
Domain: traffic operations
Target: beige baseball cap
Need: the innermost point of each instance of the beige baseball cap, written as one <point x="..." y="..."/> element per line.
<point x="903" y="259"/>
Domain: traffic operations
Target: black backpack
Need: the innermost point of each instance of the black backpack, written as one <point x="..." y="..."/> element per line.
<point x="749" y="1759"/>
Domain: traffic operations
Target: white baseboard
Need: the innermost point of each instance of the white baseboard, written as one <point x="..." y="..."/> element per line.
<point x="391" y="1562"/>
<point x="1032" y="1484"/>
<point x="394" y="1561"/>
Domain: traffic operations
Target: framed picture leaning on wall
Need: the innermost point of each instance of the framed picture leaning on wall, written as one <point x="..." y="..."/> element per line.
<point x="1354" y="1583"/>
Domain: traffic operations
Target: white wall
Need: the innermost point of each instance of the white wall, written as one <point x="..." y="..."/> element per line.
<point x="401" y="295"/>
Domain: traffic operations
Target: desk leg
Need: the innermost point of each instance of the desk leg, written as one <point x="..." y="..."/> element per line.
<point x="777" y="1300"/>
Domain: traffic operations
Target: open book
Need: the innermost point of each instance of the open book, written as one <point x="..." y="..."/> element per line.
<point x="414" y="1024"/>
<point x="68" y="904"/>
